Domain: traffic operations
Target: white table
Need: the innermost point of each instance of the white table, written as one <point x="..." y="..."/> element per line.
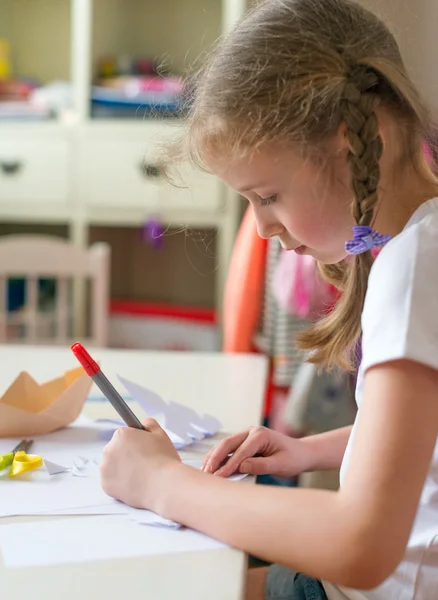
<point x="230" y="387"/>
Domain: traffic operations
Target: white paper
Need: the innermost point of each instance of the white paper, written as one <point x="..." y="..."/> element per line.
<point x="84" y="539"/>
<point x="82" y="438"/>
<point x="41" y="492"/>
<point x="115" y="508"/>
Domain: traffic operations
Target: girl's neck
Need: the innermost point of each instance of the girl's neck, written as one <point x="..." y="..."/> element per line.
<point x="399" y="202"/>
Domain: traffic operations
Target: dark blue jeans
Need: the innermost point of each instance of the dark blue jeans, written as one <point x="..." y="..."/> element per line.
<point x="284" y="584"/>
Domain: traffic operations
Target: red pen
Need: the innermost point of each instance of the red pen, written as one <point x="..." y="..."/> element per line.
<point x="108" y="390"/>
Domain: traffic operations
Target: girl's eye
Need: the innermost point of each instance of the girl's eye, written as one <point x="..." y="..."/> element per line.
<point x="268" y="201"/>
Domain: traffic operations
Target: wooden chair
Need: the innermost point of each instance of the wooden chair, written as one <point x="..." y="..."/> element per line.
<point x="35" y="257"/>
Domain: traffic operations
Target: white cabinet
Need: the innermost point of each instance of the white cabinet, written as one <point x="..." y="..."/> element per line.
<point x="114" y="175"/>
<point x="120" y="170"/>
<point x="34" y="171"/>
<point x="79" y="170"/>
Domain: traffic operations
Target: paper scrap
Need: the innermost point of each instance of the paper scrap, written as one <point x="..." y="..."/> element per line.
<point x="183" y="424"/>
<point x="85" y="539"/>
<point x="55" y="469"/>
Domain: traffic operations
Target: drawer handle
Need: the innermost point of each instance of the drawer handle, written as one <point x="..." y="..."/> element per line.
<point x="150" y="171"/>
<point x="11" y="168"/>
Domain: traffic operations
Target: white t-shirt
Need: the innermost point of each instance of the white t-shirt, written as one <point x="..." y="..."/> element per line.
<point x="400" y="320"/>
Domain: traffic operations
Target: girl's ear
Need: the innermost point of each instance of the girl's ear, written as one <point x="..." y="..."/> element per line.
<point x="341" y="138"/>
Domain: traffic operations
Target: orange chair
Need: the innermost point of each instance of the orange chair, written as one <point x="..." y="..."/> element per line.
<point x="243" y="297"/>
<point x="244" y="288"/>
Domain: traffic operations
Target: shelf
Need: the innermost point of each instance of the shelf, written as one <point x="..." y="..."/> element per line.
<point x="37" y="34"/>
<point x="171" y="33"/>
<point x="86" y="177"/>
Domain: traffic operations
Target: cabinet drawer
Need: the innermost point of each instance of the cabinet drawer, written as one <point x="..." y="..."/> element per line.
<point x="118" y="173"/>
<point x="34" y="171"/>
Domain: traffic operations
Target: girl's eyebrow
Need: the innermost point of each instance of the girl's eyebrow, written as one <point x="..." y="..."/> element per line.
<point x="251" y="188"/>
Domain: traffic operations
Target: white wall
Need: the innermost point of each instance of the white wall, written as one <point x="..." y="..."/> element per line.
<point x="415" y="25"/>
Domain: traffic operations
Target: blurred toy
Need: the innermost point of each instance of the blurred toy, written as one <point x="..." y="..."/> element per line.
<point x="299" y="289"/>
<point x="5" y="61"/>
<point x="152" y="232"/>
<point x="106" y="67"/>
<point x="144" y="66"/>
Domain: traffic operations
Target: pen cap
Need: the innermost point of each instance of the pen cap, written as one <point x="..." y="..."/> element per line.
<point x="91" y="367"/>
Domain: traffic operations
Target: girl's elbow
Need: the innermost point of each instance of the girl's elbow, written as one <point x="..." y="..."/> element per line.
<point x="367" y="568"/>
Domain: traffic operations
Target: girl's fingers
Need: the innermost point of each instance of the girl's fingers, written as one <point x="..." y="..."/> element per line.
<point x="246" y="450"/>
<point x="150" y="425"/>
<point x="220" y="453"/>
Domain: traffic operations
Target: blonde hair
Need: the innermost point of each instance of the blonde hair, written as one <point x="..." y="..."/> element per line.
<point x="294" y="71"/>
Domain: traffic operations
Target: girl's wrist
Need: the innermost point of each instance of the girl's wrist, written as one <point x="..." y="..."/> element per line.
<point x="311" y="453"/>
<point x="170" y="481"/>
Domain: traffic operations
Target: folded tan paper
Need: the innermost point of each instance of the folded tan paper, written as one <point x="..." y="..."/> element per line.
<point x="28" y="408"/>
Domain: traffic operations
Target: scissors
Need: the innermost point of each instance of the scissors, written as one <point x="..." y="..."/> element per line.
<point x="19" y="460"/>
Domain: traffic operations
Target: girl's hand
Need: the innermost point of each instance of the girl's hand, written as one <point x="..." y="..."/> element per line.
<point x="136" y="465"/>
<point x="258" y="451"/>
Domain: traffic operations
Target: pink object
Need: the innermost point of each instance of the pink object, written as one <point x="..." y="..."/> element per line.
<point x="299" y="288"/>
<point x="427" y="153"/>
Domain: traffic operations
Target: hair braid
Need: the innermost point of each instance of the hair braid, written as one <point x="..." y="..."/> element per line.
<point x="358" y="105"/>
<point x="358" y="113"/>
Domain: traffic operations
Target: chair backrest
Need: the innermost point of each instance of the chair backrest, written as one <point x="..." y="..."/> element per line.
<point x="33" y="258"/>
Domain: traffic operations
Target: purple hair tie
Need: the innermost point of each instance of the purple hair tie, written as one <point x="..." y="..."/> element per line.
<point x="365" y="239"/>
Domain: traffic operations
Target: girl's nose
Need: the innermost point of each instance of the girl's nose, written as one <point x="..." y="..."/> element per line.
<point x="269" y="230"/>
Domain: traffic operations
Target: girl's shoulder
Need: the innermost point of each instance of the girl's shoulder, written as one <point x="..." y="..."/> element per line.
<point x="413" y="251"/>
<point x="399" y="318"/>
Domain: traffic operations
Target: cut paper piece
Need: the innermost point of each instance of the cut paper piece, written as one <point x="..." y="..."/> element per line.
<point x="151" y="402"/>
<point x="54" y="469"/>
<point x="207" y="424"/>
<point x="84" y="467"/>
<point x="106" y="434"/>
<point x="179" y="419"/>
<point x="86" y="539"/>
<point x="80" y="462"/>
<point x="77" y="473"/>
<point x="182" y="421"/>
<point x="29" y="409"/>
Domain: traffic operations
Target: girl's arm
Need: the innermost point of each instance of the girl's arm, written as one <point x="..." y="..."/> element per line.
<point x="354" y="537"/>
<point x="326" y="450"/>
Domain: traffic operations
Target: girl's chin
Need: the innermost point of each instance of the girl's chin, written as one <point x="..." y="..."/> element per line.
<point x="327" y="258"/>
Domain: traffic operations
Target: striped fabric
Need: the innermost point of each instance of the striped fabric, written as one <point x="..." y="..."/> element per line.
<point x="278" y="329"/>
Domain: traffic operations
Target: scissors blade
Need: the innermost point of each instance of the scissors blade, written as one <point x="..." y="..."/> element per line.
<point x="24" y="445"/>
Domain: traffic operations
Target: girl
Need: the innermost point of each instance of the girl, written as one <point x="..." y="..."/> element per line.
<point x="307" y="110"/>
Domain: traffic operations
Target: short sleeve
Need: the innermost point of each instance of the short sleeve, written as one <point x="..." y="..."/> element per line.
<point x="400" y="316"/>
